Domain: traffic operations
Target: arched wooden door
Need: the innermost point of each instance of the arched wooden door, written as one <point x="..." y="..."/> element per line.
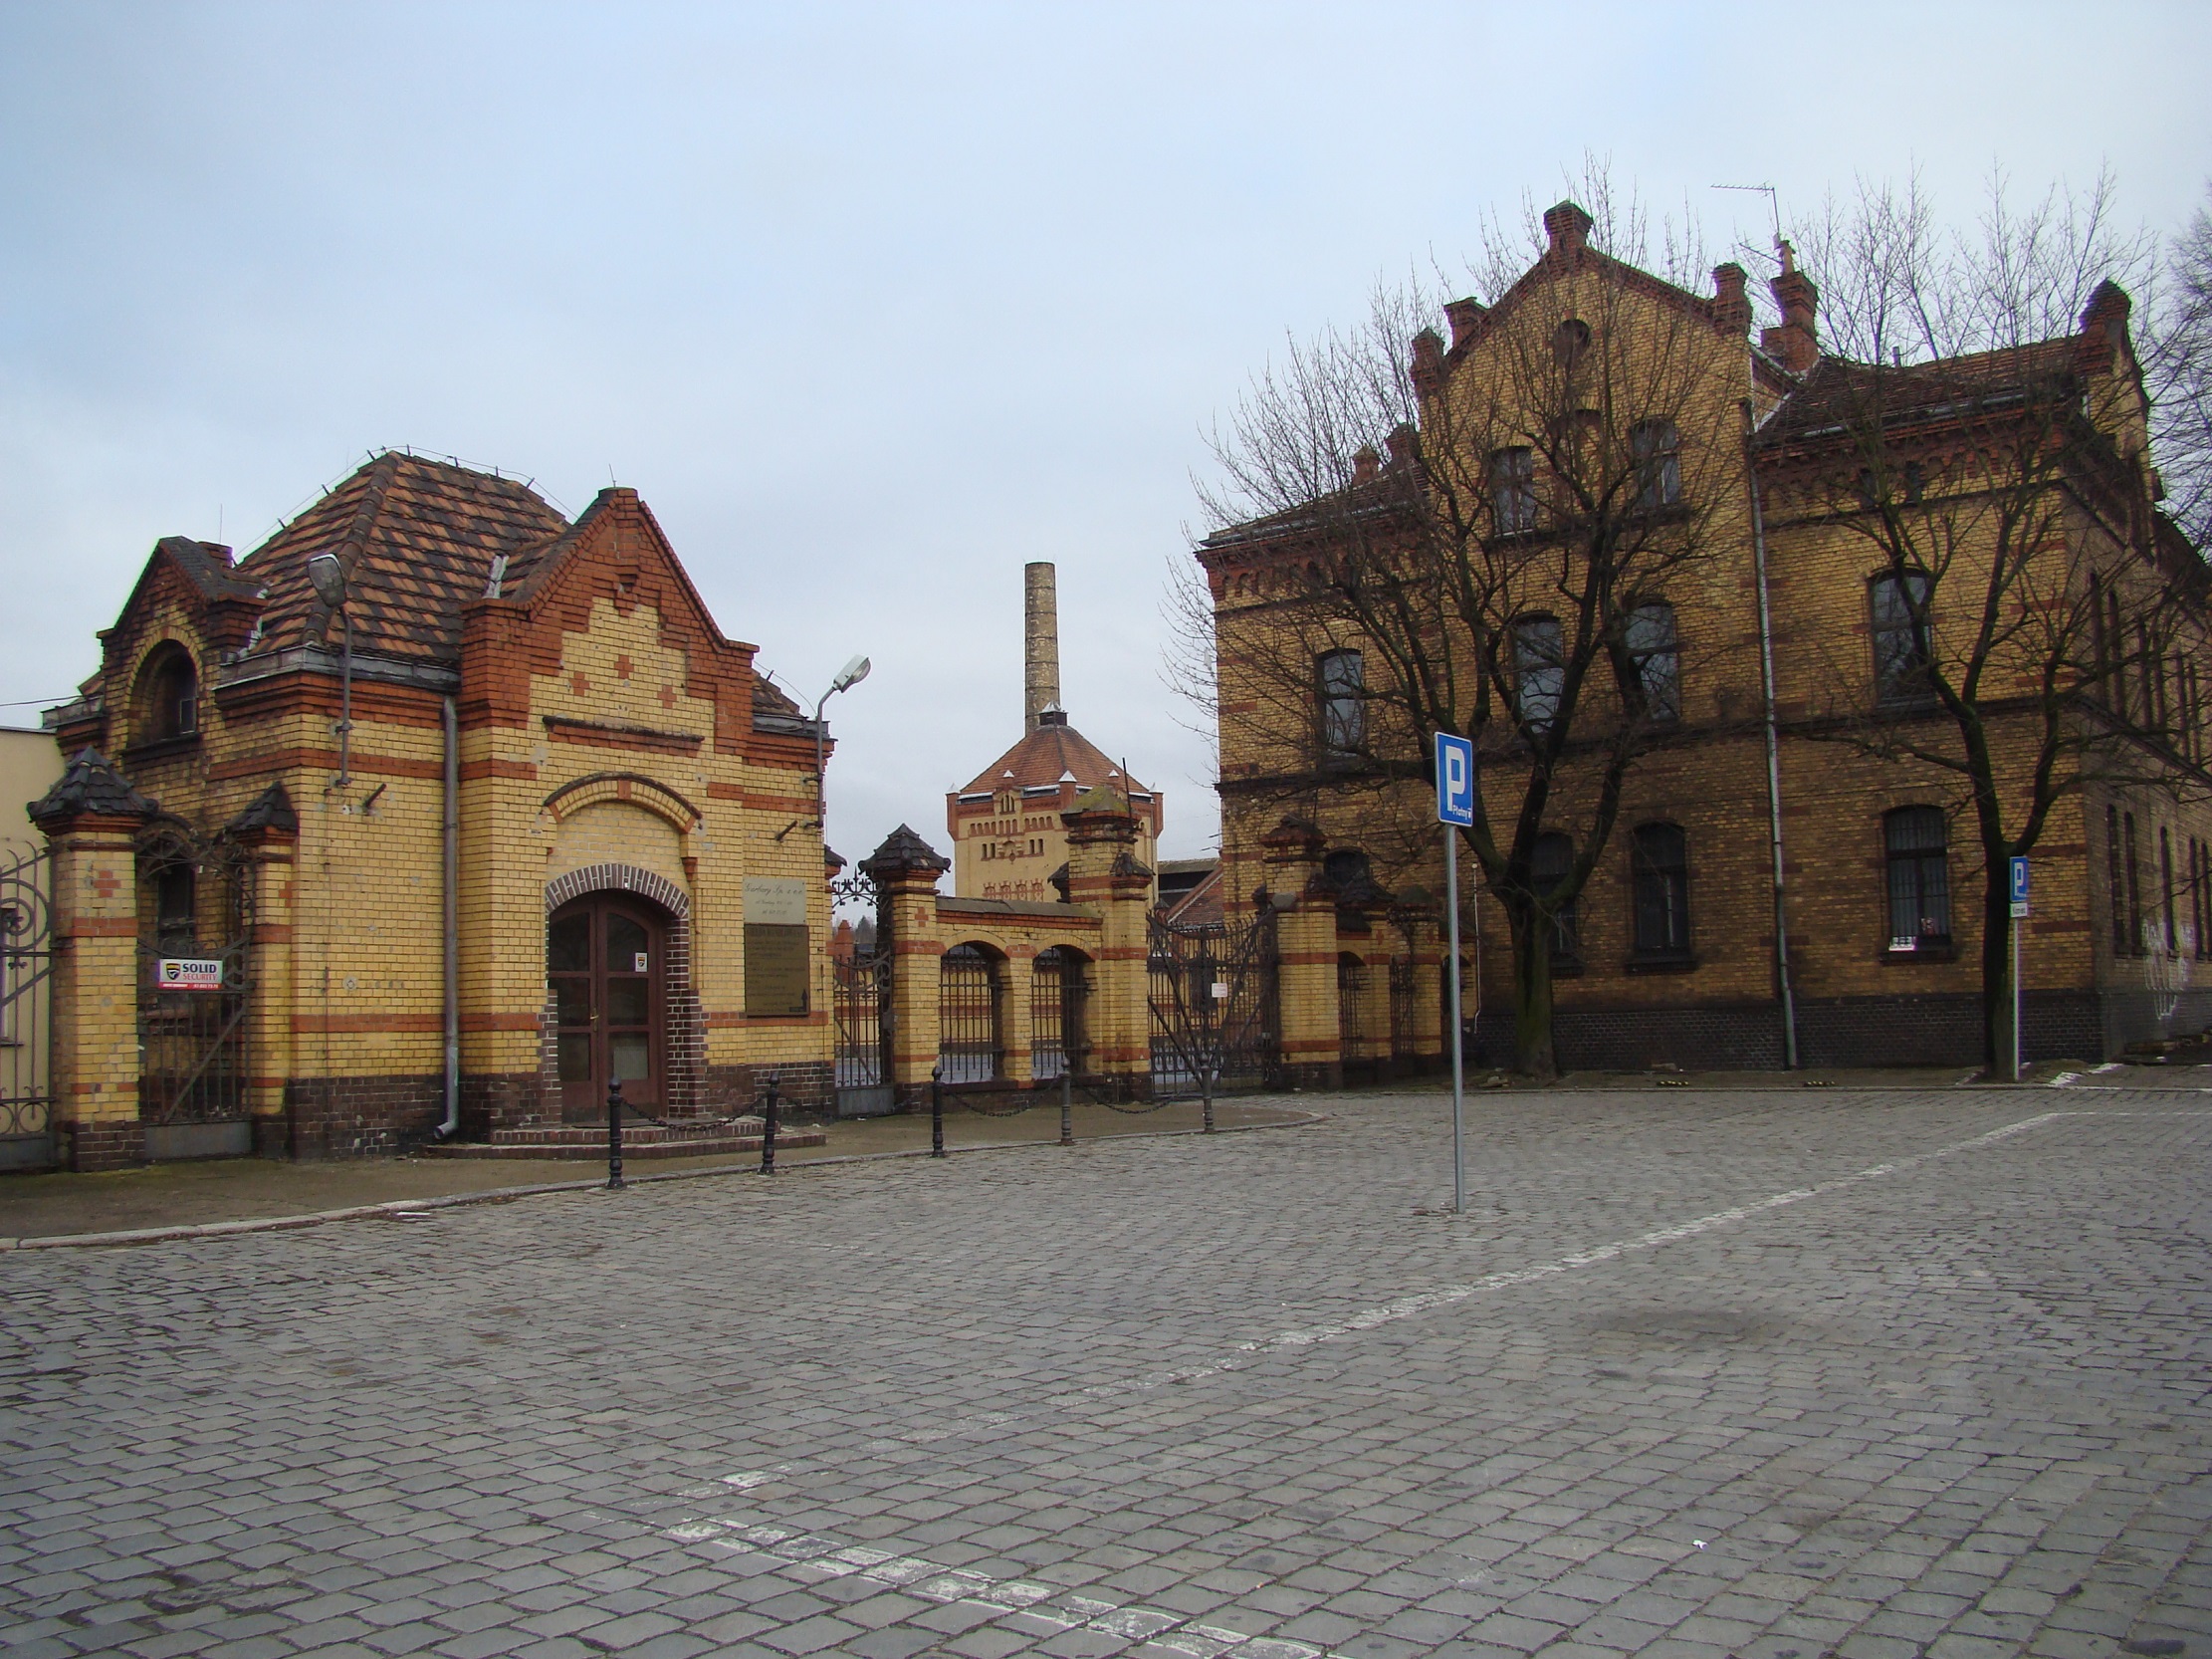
<point x="605" y="957"/>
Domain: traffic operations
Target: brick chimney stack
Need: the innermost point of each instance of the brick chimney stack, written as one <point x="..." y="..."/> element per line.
<point x="1040" y="644"/>
<point x="1731" y="308"/>
<point x="1796" y="344"/>
<point x="1568" y="226"/>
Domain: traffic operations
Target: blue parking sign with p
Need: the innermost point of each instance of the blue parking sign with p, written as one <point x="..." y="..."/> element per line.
<point x="2020" y="887"/>
<point x="1454" y="781"/>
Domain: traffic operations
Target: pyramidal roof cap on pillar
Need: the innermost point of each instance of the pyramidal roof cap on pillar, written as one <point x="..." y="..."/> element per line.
<point x="903" y="850"/>
<point x="90" y="786"/>
<point x="270" y="809"/>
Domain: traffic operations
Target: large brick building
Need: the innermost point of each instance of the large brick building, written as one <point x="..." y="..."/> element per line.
<point x="1671" y="953"/>
<point x="477" y="812"/>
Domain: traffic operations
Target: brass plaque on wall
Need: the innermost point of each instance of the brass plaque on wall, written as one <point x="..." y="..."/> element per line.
<point x="775" y="968"/>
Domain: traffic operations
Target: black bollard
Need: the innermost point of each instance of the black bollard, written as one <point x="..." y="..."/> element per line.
<point x="768" y="1129"/>
<point x="615" y="1136"/>
<point x="1068" y="1106"/>
<point x="1207" y="1079"/>
<point x="937" y="1112"/>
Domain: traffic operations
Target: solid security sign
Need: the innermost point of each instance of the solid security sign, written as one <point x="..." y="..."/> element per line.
<point x="2020" y="887"/>
<point x="1454" y="781"/>
<point x="189" y="973"/>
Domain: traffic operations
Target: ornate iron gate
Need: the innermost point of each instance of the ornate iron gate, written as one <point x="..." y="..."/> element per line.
<point x="858" y="1002"/>
<point x="1214" y="999"/>
<point x="1059" y="992"/>
<point x="192" y="1066"/>
<point x="26" y="1010"/>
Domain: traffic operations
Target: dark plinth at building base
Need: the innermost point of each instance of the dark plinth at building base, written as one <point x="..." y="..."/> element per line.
<point x="88" y="1147"/>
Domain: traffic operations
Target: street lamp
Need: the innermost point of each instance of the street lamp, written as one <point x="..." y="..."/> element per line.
<point x="329" y="577"/>
<point x="850" y="675"/>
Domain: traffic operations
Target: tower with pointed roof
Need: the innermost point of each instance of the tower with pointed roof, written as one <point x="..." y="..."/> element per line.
<point x="1007" y="838"/>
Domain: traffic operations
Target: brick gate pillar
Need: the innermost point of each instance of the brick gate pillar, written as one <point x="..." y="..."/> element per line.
<point x="268" y="831"/>
<point x="1105" y="875"/>
<point x="91" y="818"/>
<point x="905" y="869"/>
<point x="1306" y="951"/>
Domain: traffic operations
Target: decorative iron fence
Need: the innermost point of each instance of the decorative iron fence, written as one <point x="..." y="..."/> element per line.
<point x="26" y="1010"/>
<point x="1213" y="1000"/>
<point x="1059" y="993"/>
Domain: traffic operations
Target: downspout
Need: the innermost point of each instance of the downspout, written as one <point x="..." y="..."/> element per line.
<point x="452" y="925"/>
<point x="1774" y="760"/>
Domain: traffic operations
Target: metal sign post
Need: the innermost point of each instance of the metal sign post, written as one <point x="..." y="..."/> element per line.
<point x="1456" y="811"/>
<point x="2019" y="916"/>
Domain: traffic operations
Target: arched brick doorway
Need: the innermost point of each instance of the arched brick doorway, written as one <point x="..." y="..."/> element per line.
<point x="620" y="1005"/>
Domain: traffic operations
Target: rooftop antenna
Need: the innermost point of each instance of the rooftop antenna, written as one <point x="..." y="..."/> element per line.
<point x="1774" y="207"/>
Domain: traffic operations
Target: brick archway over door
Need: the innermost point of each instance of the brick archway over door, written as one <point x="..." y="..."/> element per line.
<point x="686" y="1027"/>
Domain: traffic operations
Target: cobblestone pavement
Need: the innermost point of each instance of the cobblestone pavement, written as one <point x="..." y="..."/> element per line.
<point x="1700" y="1374"/>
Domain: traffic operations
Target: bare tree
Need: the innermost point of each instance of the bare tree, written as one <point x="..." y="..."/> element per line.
<point x="1485" y="540"/>
<point x="1980" y="429"/>
<point x="2177" y="366"/>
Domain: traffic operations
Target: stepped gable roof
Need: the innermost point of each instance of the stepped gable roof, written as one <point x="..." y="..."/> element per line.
<point x="416" y="538"/>
<point x="1046" y="756"/>
<point x="1838" y="393"/>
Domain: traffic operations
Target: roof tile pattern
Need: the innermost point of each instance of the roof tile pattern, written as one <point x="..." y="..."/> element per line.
<point x="416" y="538"/>
<point x="1044" y="755"/>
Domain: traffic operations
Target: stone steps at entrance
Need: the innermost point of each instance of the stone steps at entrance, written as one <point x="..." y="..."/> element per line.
<point x="587" y="1142"/>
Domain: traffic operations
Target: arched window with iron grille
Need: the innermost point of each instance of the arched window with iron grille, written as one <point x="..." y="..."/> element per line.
<point x="970" y="986"/>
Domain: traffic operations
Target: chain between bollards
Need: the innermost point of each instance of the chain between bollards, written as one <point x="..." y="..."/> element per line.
<point x="768" y="1128"/>
<point x="1067" y="1107"/>
<point x="937" y="1111"/>
<point x="615" y="1136"/>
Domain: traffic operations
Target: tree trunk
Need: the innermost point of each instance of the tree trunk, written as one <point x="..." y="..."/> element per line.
<point x="1532" y="1008"/>
<point x="1997" y="926"/>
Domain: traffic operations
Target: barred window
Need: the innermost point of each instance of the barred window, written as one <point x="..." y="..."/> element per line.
<point x="1549" y="865"/>
<point x="1915" y="839"/>
<point x="1901" y="636"/>
<point x="2172" y="941"/>
<point x="1658" y="864"/>
<point x="1656" y="447"/>
<point x="2115" y="885"/>
<point x="1343" y="683"/>
<point x="1539" y="670"/>
<point x="1513" y="490"/>
<point x="1659" y="665"/>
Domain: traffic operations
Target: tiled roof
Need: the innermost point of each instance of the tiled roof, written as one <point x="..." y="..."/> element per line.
<point x="417" y="538"/>
<point x="1044" y="755"/>
<point x="1838" y="393"/>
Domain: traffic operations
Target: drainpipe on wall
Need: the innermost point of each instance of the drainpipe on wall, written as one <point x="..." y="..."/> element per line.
<point x="1774" y="762"/>
<point x="452" y="928"/>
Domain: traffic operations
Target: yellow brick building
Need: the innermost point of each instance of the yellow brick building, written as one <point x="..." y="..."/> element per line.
<point x="1671" y="953"/>
<point x="477" y="812"/>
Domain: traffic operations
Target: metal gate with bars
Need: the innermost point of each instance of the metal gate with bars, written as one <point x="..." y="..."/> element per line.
<point x="26" y="1010"/>
<point x="192" y="1067"/>
<point x="1214" y="995"/>
<point x="1059" y="1035"/>
<point x="858" y="1004"/>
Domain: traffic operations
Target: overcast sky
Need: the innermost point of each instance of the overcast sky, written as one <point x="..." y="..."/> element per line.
<point x="873" y="305"/>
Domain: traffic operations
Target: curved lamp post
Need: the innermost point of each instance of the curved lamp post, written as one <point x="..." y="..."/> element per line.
<point x="850" y="675"/>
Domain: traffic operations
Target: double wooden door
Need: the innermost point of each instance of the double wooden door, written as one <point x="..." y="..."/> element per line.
<point x="604" y="964"/>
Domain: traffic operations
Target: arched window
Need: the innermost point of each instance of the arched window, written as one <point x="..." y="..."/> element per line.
<point x="1548" y="866"/>
<point x="1570" y="341"/>
<point x="1656" y="447"/>
<point x="1916" y="843"/>
<point x="1658" y="867"/>
<point x="1658" y="658"/>
<point x="1901" y="636"/>
<point x="169" y="696"/>
<point x="1539" y="670"/>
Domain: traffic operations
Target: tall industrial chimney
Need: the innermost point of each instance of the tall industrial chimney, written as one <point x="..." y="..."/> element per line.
<point x="1040" y="644"/>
